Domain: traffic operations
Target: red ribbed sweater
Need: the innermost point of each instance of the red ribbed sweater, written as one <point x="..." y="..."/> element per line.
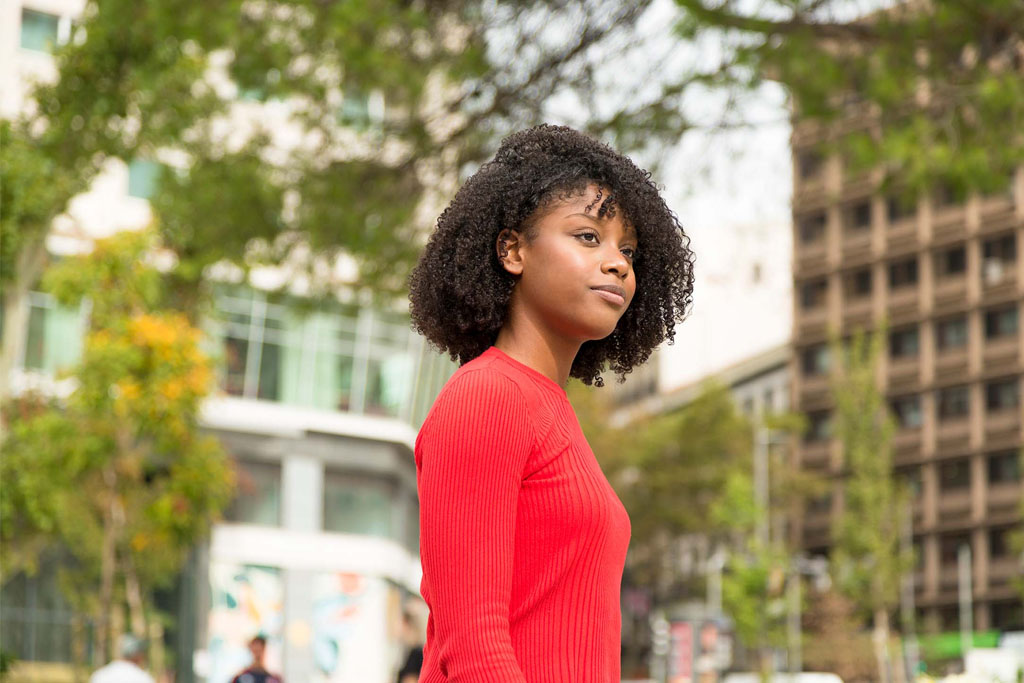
<point x="522" y="539"/>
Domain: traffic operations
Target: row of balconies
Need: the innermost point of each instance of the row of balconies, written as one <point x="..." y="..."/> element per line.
<point x="949" y="294"/>
<point x="861" y="239"/>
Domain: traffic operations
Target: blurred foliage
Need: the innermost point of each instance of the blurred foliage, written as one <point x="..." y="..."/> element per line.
<point x="836" y="640"/>
<point x="868" y="558"/>
<point x="689" y="472"/>
<point x="117" y="474"/>
<point x="931" y="92"/>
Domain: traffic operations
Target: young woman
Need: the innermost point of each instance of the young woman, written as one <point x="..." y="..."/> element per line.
<point x="558" y="258"/>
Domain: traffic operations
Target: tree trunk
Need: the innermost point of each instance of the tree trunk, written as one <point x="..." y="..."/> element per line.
<point x="133" y="593"/>
<point x="881" y="642"/>
<point x="108" y="564"/>
<point x="30" y="265"/>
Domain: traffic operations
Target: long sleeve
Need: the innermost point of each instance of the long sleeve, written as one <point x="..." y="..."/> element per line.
<point x="471" y="456"/>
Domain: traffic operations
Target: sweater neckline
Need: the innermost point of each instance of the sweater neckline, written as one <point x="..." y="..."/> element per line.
<point x="495" y="352"/>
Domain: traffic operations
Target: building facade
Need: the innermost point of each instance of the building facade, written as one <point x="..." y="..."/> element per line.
<point x="946" y="277"/>
<point x="318" y="407"/>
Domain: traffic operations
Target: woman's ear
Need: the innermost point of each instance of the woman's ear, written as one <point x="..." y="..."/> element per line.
<point x="509" y="245"/>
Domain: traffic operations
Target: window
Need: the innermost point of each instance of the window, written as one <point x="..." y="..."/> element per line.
<point x="998" y="258"/>
<point x="1004" y="467"/>
<point x="907" y="410"/>
<point x="857" y="217"/>
<point x="950" y="262"/>
<point x="955" y="475"/>
<point x="951" y="333"/>
<point x="54" y="335"/>
<point x="999" y="544"/>
<point x="254" y="346"/>
<point x="947" y="194"/>
<point x="258" y="494"/>
<point x="809" y="163"/>
<point x="903" y="273"/>
<point x="1001" y="322"/>
<point x="1002" y="395"/>
<point x="820" y="505"/>
<point x="949" y="546"/>
<point x="812" y="294"/>
<point x="910" y="478"/>
<point x="819" y="426"/>
<point x="1007" y="615"/>
<point x="899" y="208"/>
<point x="142" y="178"/>
<point x="904" y="343"/>
<point x="768" y="400"/>
<point x="356" y="504"/>
<point x="954" y="402"/>
<point x="858" y="283"/>
<point x="815" y="360"/>
<point x="39" y="30"/>
<point x="36" y="620"/>
<point x="812" y="228"/>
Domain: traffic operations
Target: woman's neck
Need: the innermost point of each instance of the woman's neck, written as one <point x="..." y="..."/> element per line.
<point x="546" y="353"/>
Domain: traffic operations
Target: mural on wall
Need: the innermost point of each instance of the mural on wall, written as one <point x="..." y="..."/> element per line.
<point x="246" y="600"/>
<point x="352" y="631"/>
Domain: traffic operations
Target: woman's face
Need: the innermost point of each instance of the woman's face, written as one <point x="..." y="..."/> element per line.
<point x="576" y="275"/>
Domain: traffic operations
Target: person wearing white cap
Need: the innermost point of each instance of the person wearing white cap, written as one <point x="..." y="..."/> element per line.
<point x="128" y="667"/>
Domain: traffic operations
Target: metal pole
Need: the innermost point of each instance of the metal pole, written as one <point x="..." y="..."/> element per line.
<point x="966" y="608"/>
<point x="793" y="623"/>
<point x="761" y="483"/>
<point x="910" y="651"/>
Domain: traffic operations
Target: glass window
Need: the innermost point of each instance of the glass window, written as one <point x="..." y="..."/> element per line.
<point x="53" y="340"/>
<point x="949" y="546"/>
<point x="947" y="194"/>
<point x="819" y="426"/>
<point x="954" y="401"/>
<point x="36" y="620"/>
<point x="38" y="30"/>
<point x="899" y="208"/>
<point x="236" y="353"/>
<point x="903" y="273"/>
<point x="812" y="227"/>
<point x="907" y="410"/>
<point x="857" y="217"/>
<point x="809" y="163"/>
<point x="812" y="294"/>
<point x="1002" y="395"/>
<point x="269" y="388"/>
<point x="355" y="108"/>
<point x="950" y="262"/>
<point x="142" y="178"/>
<point x="1004" y="467"/>
<point x="903" y="343"/>
<point x="820" y="505"/>
<point x="999" y="541"/>
<point x="258" y="494"/>
<point x="1007" y="615"/>
<point x="1003" y="248"/>
<point x="816" y="360"/>
<point x="858" y="283"/>
<point x="951" y="333"/>
<point x="910" y="477"/>
<point x="357" y="505"/>
<point x="955" y="475"/>
<point x="1002" y="322"/>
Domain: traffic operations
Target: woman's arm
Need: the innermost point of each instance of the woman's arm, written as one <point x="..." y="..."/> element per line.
<point x="472" y="454"/>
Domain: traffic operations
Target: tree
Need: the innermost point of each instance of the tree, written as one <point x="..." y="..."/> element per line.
<point x="118" y="474"/>
<point x="868" y="561"/>
<point x="938" y="86"/>
<point x="263" y="109"/>
<point x="759" y="553"/>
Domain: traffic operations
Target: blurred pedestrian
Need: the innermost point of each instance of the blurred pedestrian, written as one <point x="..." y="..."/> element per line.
<point x="257" y="672"/>
<point x="412" y="637"/>
<point x="558" y="258"/>
<point x="128" y="667"/>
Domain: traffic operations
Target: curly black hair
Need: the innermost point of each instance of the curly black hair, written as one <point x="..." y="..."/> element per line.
<point x="459" y="291"/>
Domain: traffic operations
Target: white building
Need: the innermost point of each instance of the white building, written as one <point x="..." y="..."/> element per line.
<point x="319" y="410"/>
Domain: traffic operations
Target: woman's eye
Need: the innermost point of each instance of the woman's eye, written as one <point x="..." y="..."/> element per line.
<point x="629" y="253"/>
<point x="587" y="237"/>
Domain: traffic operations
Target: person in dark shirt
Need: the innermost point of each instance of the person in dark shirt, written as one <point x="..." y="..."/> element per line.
<point x="256" y="672"/>
<point x="412" y="635"/>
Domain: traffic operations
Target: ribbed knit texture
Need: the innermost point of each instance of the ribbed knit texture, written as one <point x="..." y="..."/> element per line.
<point x="522" y="539"/>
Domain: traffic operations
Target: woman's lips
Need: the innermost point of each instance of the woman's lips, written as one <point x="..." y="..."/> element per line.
<point x="611" y="297"/>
